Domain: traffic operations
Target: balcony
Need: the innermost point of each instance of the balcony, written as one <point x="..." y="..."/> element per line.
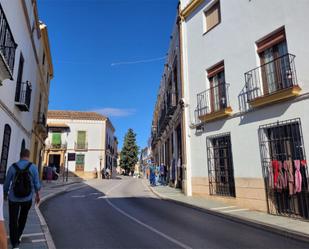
<point x="166" y="113"/>
<point x="7" y="49"/>
<point x="58" y="146"/>
<point x="81" y="146"/>
<point x="41" y="123"/>
<point x="23" y="96"/>
<point x="272" y="82"/>
<point x="213" y="103"/>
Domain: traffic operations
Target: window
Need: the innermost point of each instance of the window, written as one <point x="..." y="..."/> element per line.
<point x="275" y="62"/>
<point x="283" y="162"/>
<point x="19" y="78"/>
<point x="56" y="138"/>
<point x="5" y="152"/>
<point x="220" y="165"/>
<point x="81" y="139"/>
<point x="218" y="95"/>
<point x="213" y="16"/>
<point x="43" y="60"/>
<point x="23" y="145"/>
<point x="80" y="162"/>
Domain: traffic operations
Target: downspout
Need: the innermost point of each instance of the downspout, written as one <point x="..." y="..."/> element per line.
<point x="186" y="110"/>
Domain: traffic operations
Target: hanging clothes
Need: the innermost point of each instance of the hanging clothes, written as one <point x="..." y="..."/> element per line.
<point x="290" y="174"/>
<point x="298" y="177"/>
<point x="275" y="165"/>
<point x="285" y="175"/>
<point x="280" y="180"/>
<point x="303" y="171"/>
<point x="270" y="177"/>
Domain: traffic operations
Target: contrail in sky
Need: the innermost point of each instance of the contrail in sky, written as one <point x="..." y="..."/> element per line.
<point x="137" y="61"/>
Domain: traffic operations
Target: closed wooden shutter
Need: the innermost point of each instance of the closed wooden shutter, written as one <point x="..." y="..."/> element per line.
<point x="81" y="137"/>
<point x="56" y="138"/>
<point x="213" y="16"/>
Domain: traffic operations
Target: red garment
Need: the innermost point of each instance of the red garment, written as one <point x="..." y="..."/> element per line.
<point x="303" y="163"/>
<point x="275" y="165"/>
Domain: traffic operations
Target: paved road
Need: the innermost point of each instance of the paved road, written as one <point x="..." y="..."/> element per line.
<point x="125" y="214"/>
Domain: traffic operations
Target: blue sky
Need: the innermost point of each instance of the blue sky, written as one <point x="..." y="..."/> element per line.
<point x="95" y="44"/>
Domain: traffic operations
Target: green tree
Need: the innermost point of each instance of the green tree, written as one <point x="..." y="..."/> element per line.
<point x="129" y="152"/>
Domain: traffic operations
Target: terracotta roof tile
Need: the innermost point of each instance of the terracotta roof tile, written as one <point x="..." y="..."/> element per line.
<point x="75" y="115"/>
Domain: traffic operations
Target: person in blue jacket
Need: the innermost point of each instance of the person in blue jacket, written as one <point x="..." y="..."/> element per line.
<point x="19" y="206"/>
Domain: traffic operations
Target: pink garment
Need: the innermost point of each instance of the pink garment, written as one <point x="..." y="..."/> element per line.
<point x="298" y="178"/>
<point x="290" y="174"/>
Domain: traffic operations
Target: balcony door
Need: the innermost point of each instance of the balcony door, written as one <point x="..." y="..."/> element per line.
<point x="217" y="92"/>
<point x="81" y="139"/>
<point x="56" y="139"/>
<point x="275" y="62"/>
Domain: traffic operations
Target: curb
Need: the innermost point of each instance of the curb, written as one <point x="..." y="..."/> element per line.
<point x="253" y="223"/>
<point x="47" y="234"/>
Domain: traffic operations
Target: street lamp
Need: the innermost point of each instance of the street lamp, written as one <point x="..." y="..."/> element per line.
<point x="100" y="158"/>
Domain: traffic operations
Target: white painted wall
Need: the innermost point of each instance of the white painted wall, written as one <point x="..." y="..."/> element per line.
<point x="18" y="25"/>
<point x="96" y="136"/>
<point x="233" y="40"/>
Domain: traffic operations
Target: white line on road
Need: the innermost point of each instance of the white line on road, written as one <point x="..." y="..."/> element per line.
<point x="38" y="240"/>
<point x="144" y="224"/>
<point x="78" y="196"/>
<point x="219" y="208"/>
<point x="26" y="235"/>
<point x="234" y="210"/>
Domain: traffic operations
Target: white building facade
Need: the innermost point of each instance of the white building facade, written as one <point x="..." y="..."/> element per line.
<point x="24" y="73"/>
<point x="90" y="136"/>
<point x="246" y="86"/>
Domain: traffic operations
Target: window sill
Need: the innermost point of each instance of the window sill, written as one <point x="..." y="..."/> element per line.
<point x="207" y="31"/>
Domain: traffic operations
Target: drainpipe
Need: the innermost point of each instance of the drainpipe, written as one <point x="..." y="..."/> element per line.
<point x="186" y="111"/>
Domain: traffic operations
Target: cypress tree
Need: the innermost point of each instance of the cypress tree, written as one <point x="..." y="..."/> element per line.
<point x="129" y="152"/>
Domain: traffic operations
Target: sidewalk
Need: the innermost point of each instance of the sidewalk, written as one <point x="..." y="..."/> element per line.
<point x="283" y="225"/>
<point x="36" y="232"/>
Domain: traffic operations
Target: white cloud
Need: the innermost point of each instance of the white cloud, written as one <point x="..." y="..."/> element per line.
<point x="115" y="112"/>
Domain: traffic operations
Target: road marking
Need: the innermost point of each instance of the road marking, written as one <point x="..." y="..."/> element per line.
<point x="144" y="224"/>
<point x="219" y="208"/>
<point x="234" y="210"/>
<point x="26" y="235"/>
<point x="78" y="196"/>
<point x="95" y="193"/>
<point x="102" y="197"/>
<point x="38" y="240"/>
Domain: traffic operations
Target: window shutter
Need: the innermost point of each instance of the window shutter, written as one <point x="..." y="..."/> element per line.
<point x="56" y="138"/>
<point x="81" y="137"/>
<point x="213" y="16"/>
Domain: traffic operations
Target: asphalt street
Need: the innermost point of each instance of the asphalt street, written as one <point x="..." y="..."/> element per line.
<point x="124" y="213"/>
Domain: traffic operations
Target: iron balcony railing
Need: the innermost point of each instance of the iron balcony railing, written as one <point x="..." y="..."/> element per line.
<point x="213" y="99"/>
<point x="42" y="119"/>
<point x="81" y="146"/>
<point x="23" y="96"/>
<point x="271" y="77"/>
<point x="7" y="43"/>
<point x="56" y="146"/>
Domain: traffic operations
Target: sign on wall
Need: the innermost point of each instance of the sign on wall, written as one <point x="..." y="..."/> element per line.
<point x="71" y="156"/>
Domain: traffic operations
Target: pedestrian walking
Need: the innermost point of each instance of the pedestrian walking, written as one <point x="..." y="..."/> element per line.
<point x="21" y="182"/>
<point x="3" y="238"/>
